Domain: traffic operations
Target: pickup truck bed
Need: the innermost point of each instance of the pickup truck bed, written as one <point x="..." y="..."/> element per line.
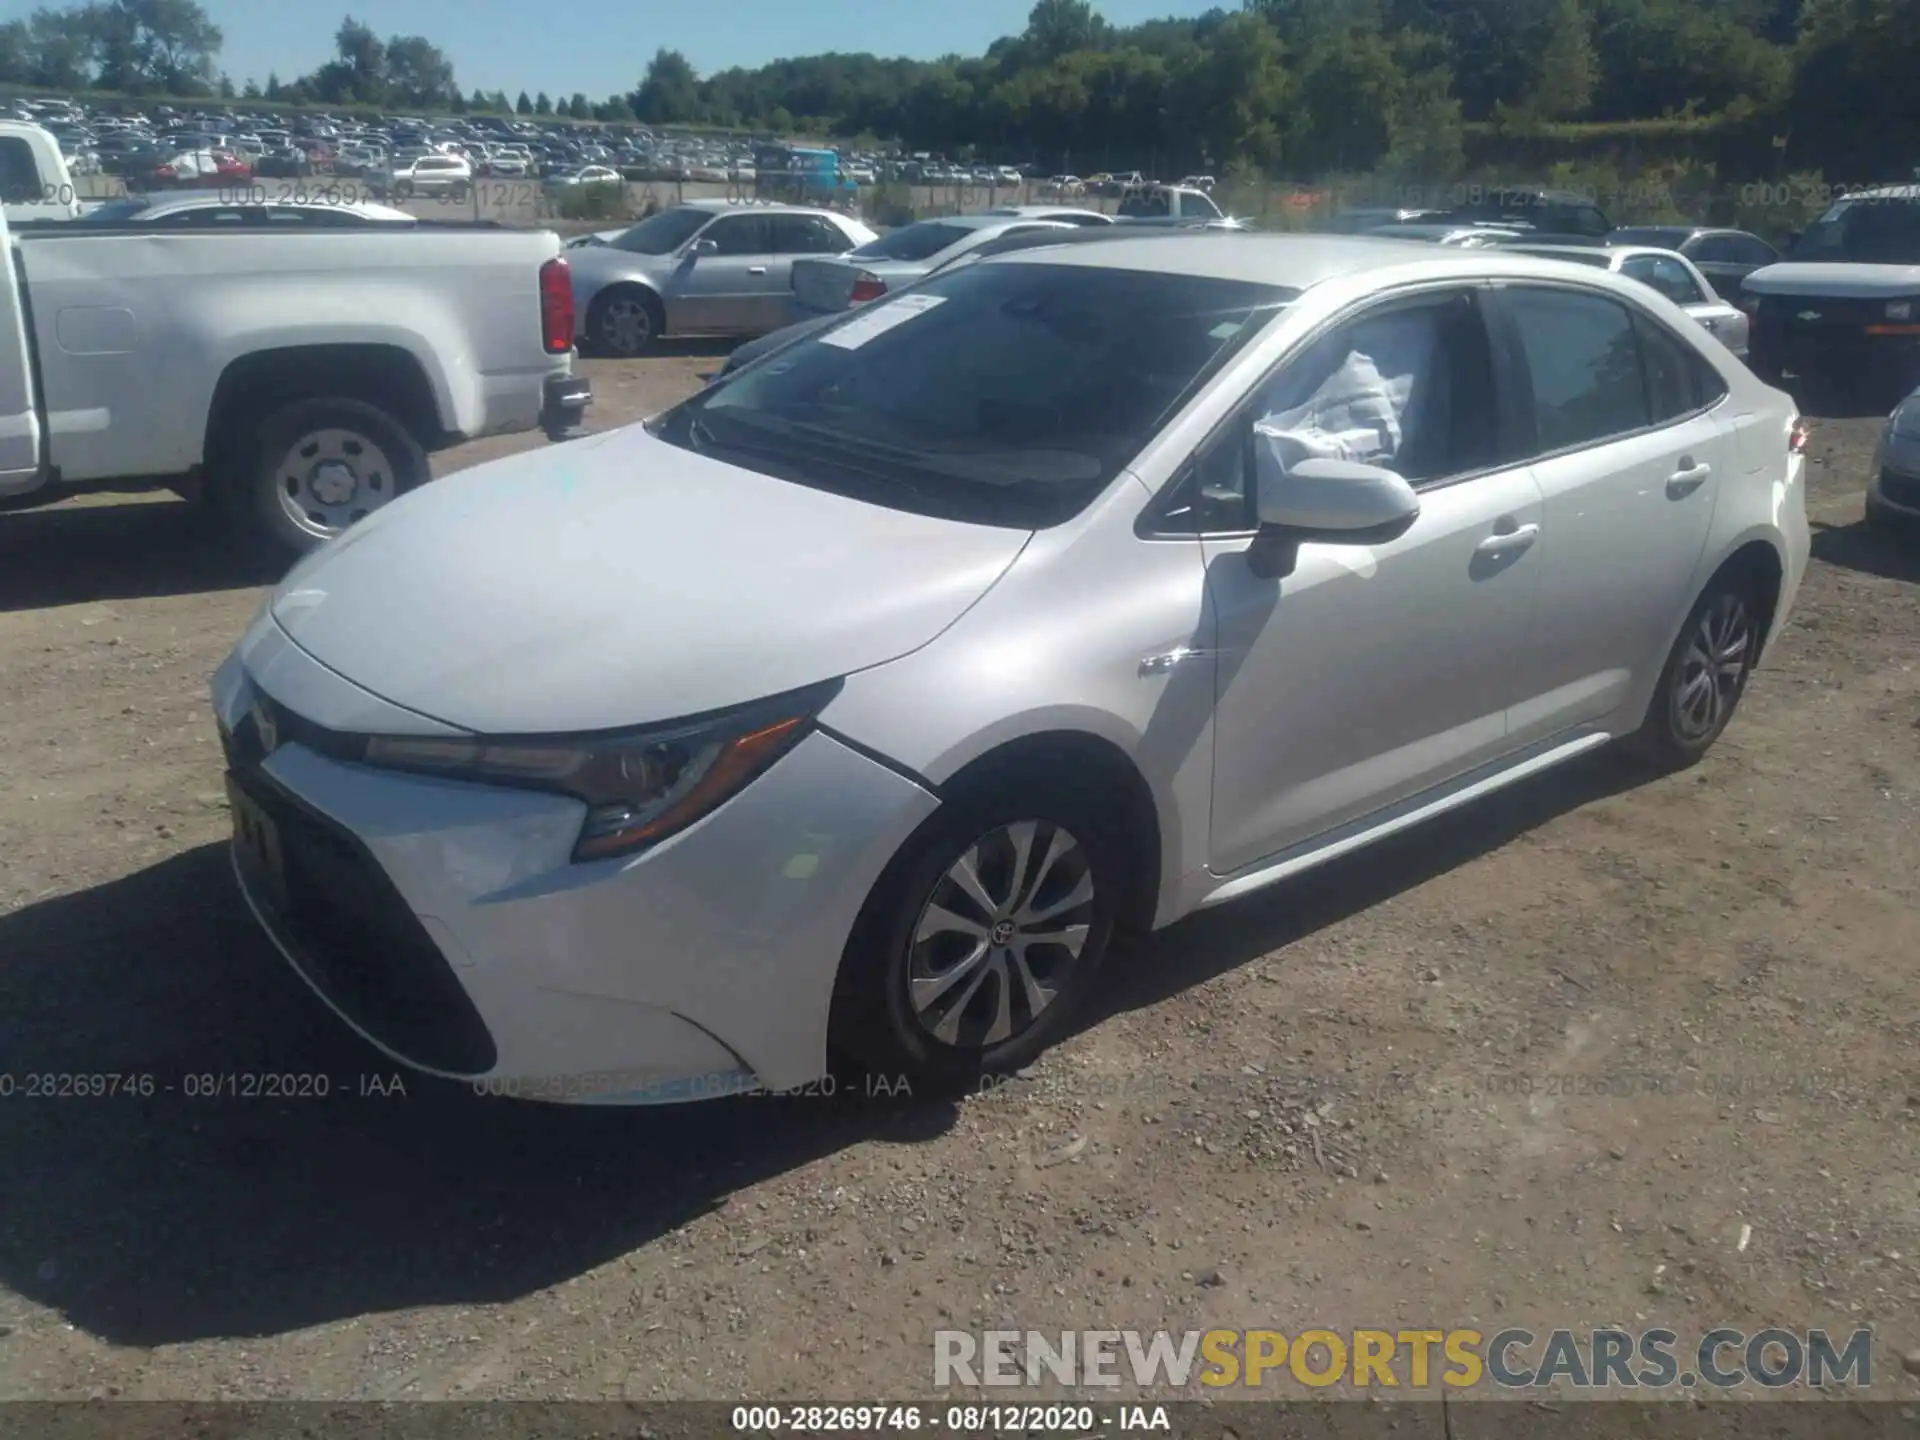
<point x="189" y="358"/>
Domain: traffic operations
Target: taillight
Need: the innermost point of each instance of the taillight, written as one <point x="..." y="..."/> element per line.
<point x="556" y="306"/>
<point x="865" y="288"/>
<point x="165" y="172"/>
<point x="1797" y="434"/>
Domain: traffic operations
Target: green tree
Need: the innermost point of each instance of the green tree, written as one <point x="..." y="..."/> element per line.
<point x="670" y="92"/>
<point x="523" y="106"/>
<point x="579" y="108"/>
<point x="542" y="105"/>
<point x="419" y="75"/>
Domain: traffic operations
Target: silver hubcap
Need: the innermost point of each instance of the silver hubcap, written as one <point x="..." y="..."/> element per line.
<point x="626" y="326"/>
<point x="1712" y="669"/>
<point x="331" y="478"/>
<point x="999" y="935"/>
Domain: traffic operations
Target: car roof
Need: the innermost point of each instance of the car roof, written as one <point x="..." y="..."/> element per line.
<point x="1042" y="212"/>
<point x="1882" y="192"/>
<point x="719" y="205"/>
<point x="1297" y="261"/>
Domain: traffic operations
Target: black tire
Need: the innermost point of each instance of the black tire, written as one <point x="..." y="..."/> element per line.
<point x="874" y="1022"/>
<point x="624" y="322"/>
<point x="1725" y="627"/>
<point x="255" y="485"/>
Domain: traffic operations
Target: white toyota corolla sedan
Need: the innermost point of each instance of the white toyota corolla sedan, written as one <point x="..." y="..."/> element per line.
<point x="858" y="703"/>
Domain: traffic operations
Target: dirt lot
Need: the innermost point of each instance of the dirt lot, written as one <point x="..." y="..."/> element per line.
<point x="1501" y="1074"/>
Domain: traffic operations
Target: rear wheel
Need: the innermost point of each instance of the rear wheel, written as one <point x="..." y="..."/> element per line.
<point x="986" y="933"/>
<point x="1705" y="677"/>
<point x="318" y="467"/>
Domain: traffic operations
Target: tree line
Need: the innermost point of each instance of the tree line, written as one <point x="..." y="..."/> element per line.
<point x="1302" y="86"/>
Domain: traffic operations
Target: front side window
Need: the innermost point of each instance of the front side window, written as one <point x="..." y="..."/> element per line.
<point x="740" y="235"/>
<point x="1408" y="388"/>
<point x="1004" y="394"/>
<point x="664" y="233"/>
<point x="1583" y="365"/>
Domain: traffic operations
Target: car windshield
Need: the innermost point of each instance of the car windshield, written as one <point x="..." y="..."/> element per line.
<point x="1870" y="230"/>
<point x="913" y="242"/>
<point x="663" y="233"/>
<point x="1001" y="394"/>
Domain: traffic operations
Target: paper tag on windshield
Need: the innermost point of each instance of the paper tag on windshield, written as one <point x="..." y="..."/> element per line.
<point x="880" y="319"/>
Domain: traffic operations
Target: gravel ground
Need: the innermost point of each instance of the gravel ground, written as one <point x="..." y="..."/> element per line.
<point x="1501" y="1072"/>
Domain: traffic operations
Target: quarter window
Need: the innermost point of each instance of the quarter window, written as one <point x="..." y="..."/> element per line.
<point x="1583" y="365"/>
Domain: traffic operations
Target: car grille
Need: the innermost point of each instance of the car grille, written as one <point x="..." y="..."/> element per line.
<point x="1835" y="337"/>
<point x="350" y="932"/>
<point x="1900" y="489"/>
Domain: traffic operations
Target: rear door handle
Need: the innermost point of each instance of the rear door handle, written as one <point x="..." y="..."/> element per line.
<point x="1688" y="478"/>
<point x="756" y="269"/>
<point x="1510" y="543"/>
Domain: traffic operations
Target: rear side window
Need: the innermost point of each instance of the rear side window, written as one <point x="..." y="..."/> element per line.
<point x="1583" y="363"/>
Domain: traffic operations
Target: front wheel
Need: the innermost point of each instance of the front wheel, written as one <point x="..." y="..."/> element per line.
<point x="985" y="934"/>
<point x="1704" y="679"/>
<point x="318" y="467"/>
<point x="625" y="323"/>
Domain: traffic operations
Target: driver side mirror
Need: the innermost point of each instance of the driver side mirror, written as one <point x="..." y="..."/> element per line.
<point x="703" y="247"/>
<point x="1337" y="501"/>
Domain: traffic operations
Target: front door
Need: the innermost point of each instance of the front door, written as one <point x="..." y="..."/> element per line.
<point x="1351" y="676"/>
<point x="1630" y="453"/>
<point x="728" y="291"/>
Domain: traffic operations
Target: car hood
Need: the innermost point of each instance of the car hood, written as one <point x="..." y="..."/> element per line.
<point x="618" y="581"/>
<point x="1841" y="280"/>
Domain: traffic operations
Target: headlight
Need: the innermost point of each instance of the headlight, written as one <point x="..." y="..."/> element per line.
<point x="639" y="786"/>
<point x="1905" y="420"/>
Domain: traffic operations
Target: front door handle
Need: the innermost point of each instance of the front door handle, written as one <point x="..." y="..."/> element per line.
<point x="1688" y="478"/>
<point x="1510" y="543"/>
<point x="756" y="269"/>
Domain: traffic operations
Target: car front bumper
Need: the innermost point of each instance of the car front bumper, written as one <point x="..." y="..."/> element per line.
<point x="447" y="924"/>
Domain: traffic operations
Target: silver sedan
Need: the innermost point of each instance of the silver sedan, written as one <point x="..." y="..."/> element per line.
<point x="708" y="267"/>
<point x="1667" y="271"/>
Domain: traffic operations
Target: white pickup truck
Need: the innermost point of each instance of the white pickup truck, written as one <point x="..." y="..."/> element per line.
<point x="35" y="183"/>
<point x="295" y="377"/>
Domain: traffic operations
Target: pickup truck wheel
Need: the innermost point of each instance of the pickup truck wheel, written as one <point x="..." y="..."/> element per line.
<point x="625" y="322"/>
<point x="320" y="466"/>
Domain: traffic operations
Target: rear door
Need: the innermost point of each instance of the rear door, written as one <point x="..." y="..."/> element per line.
<point x="729" y="291"/>
<point x="20" y="431"/>
<point x="794" y="238"/>
<point x="1629" y="453"/>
